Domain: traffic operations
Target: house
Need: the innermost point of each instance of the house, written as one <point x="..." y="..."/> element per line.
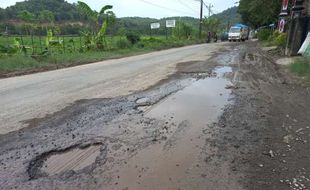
<point x="299" y="26"/>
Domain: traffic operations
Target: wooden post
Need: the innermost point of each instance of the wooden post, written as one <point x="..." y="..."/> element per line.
<point x="63" y="44"/>
<point x="73" y="44"/>
<point x="40" y="39"/>
<point x="32" y="44"/>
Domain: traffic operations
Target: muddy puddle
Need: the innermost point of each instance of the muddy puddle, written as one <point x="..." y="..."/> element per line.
<point x="175" y="160"/>
<point x="72" y="160"/>
<point x="197" y="102"/>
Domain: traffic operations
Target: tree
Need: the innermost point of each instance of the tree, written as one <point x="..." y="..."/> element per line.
<point x="2" y="14"/>
<point x="121" y="32"/>
<point x="183" y="30"/>
<point x="25" y="16"/>
<point x="260" y="13"/>
<point x="211" y="24"/>
<point x="101" y="20"/>
<point x="46" y="16"/>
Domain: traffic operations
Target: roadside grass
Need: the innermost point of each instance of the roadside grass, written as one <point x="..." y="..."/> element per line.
<point x="20" y="63"/>
<point x="269" y="39"/>
<point x="301" y="67"/>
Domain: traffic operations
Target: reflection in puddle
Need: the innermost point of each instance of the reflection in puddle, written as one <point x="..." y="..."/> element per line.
<point x="186" y="114"/>
<point x="196" y="103"/>
<point x="75" y="159"/>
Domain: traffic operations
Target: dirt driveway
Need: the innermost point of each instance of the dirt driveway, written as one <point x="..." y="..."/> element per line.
<point x="233" y="120"/>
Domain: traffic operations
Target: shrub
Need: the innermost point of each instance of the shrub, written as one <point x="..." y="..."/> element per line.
<point x="123" y="44"/>
<point x="133" y="38"/>
<point x="264" y="34"/>
<point x="280" y="40"/>
<point x="151" y="42"/>
<point x="301" y="67"/>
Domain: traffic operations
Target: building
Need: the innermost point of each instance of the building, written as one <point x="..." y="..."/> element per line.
<point x="299" y="26"/>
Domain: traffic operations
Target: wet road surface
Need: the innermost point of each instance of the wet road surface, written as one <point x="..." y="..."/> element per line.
<point x="37" y="95"/>
<point x="215" y="123"/>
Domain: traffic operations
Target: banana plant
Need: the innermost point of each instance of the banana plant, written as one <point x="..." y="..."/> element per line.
<point x="101" y="19"/>
<point x="14" y="48"/>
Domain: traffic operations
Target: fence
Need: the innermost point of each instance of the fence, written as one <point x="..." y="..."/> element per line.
<point x="36" y="45"/>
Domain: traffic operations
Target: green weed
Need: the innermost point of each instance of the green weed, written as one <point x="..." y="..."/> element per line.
<point x="301" y="67"/>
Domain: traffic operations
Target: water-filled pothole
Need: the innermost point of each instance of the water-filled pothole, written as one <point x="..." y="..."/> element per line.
<point x="177" y="159"/>
<point x="71" y="159"/>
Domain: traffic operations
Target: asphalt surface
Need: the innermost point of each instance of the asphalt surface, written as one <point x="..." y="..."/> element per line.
<point x="224" y="118"/>
<point x="34" y="96"/>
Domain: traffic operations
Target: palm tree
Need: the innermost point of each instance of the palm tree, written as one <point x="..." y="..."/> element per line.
<point x="101" y="19"/>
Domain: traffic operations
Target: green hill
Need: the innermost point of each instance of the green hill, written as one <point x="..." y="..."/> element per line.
<point x="229" y="17"/>
<point x="62" y="10"/>
<point x="142" y="25"/>
<point x="70" y="20"/>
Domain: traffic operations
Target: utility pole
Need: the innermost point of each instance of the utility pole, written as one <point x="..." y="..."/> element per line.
<point x="209" y="9"/>
<point x="201" y="13"/>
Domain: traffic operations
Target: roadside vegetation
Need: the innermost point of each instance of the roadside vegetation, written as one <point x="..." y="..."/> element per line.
<point x="40" y="35"/>
<point x="269" y="37"/>
<point x="260" y="15"/>
<point x="34" y="50"/>
<point x="301" y="67"/>
<point x="17" y="60"/>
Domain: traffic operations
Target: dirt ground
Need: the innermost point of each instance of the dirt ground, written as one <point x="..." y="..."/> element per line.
<point x="234" y="121"/>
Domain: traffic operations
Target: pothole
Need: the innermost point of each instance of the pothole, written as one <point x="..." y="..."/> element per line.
<point x="143" y="101"/>
<point x="74" y="159"/>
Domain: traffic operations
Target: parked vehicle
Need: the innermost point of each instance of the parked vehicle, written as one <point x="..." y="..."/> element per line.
<point x="224" y="36"/>
<point x="239" y="32"/>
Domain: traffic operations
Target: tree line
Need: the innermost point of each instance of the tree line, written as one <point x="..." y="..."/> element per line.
<point x="260" y="13"/>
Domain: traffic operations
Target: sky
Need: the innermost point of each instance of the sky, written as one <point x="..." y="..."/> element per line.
<point x="151" y="8"/>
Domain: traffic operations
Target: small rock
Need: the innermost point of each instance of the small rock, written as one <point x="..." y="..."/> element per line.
<point x="271" y="154"/>
<point x="261" y="165"/>
<point x="287" y="139"/>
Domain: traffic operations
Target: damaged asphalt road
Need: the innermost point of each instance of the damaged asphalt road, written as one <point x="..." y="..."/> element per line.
<point x="234" y="121"/>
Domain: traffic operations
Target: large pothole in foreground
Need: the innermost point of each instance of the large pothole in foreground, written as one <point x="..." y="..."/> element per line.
<point x="74" y="159"/>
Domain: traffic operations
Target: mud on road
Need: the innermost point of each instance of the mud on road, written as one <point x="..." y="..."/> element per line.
<point x="235" y="121"/>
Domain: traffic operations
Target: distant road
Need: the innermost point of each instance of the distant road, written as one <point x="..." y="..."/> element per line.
<point x="36" y="95"/>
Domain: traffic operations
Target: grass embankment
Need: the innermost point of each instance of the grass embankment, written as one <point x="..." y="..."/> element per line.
<point x="301" y="67"/>
<point x="270" y="38"/>
<point x="17" y="64"/>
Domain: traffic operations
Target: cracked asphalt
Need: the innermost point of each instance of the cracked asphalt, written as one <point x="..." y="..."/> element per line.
<point x="221" y="116"/>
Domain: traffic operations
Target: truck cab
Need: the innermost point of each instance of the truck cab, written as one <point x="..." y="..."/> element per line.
<point x="239" y="33"/>
<point x="234" y="34"/>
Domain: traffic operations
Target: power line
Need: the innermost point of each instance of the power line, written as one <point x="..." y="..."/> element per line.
<point x="209" y="7"/>
<point x="184" y="4"/>
<point x="167" y="8"/>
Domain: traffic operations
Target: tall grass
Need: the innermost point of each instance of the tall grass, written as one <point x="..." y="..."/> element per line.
<point x="20" y="62"/>
<point x="301" y="67"/>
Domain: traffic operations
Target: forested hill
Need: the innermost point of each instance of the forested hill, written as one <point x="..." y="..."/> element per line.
<point x="142" y="25"/>
<point x="61" y="10"/>
<point x="229" y="17"/>
<point x="71" y="21"/>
